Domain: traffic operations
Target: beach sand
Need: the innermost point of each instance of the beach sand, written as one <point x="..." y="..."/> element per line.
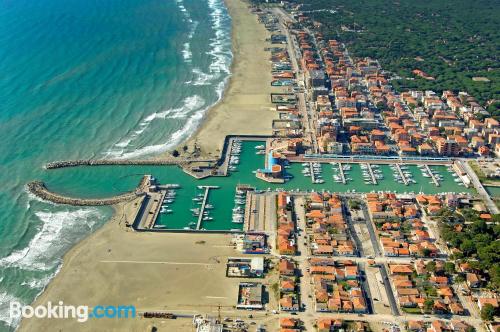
<point x="179" y="272"/>
<point x="245" y="106"/>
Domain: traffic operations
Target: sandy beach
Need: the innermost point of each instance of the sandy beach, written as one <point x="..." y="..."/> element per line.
<point x="245" y="106"/>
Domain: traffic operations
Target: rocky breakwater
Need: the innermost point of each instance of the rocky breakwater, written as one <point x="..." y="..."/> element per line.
<point x="39" y="189"/>
<point x="124" y="162"/>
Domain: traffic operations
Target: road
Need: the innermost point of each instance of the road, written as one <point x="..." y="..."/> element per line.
<point x="388" y="290"/>
<point x="385" y="276"/>
<point x="294" y="54"/>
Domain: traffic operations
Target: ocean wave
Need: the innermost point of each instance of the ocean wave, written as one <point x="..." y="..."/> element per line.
<point x="56" y="235"/>
<point x="187" y="54"/>
<point x="203" y="78"/>
<point x="5" y="300"/>
<point x="190" y="105"/>
<point x="220" y="49"/>
<point x="174" y="139"/>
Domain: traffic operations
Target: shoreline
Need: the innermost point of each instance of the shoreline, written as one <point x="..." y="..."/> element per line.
<point x="245" y="107"/>
<point x="236" y="112"/>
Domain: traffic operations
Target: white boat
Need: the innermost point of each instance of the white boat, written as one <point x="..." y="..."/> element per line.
<point x="260" y="147"/>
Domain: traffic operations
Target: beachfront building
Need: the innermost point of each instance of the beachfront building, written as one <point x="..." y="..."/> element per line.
<point x="242" y="267"/>
<point x="250" y="296"/>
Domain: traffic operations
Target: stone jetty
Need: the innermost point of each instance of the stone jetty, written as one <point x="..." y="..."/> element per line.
<point x="125" y="162"/>
<point x="39" y="189"/>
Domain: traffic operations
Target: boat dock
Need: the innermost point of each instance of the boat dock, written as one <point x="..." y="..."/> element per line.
<point x="311" y="169"/>
<point x="341" y="173"/>
<point x="203" y="204"/>
<point x="433" y="177"/>
<point x="403" y="176"/>
<point x="370" y="170"/>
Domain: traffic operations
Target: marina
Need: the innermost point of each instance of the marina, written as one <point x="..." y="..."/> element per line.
<point x="227" y="205"/>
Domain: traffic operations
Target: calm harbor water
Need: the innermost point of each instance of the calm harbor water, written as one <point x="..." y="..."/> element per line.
<point x="109" y="180"/>
<point x="84" y="79"/>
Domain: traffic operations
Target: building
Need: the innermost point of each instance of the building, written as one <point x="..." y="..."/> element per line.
<point x="447" y="147"/>
<point x="242" y="267"/>
<point x="250" y="296"/>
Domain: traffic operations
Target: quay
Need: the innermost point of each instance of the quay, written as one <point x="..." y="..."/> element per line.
<point x="403" y="176"/>
<point x="249" y="220"/>
<point x="153" y="206"/>
<point x="428" y="169"/>
<point x="341" y="171"/>
<point x="203" y="204"/>
<point x="370" y="170"/>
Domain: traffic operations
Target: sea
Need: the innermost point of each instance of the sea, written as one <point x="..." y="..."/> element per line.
<point x="92" y="79"/>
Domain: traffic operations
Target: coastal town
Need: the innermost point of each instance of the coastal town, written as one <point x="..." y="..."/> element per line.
<point x="364" y="208"/>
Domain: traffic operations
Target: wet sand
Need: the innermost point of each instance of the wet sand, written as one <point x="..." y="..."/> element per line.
<point x="245" y="106"/>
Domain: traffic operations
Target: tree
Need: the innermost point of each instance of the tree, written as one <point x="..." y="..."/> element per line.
<point x="428" y="305"/>
<point x="175" y="153"/>
<point x="488" y="312"/>
<point x="185" y="148"/>
<point x="449" y="267"/>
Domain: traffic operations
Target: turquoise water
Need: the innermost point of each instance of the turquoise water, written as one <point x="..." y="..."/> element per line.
<point x="111" y="180"/>
<point x="82" y="79"/>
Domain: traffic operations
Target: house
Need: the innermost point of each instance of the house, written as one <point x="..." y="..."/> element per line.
<point x="482" y="301"/>
<point x="472" y="280"/>
<point x="416" y="326"/>
<point x="288" y="303"/>
<point x="286" y="267"/>
<point x="289" y="323"/>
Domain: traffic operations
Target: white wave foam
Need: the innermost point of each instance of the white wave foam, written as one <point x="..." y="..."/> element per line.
<point x="220" y="49"/>
<point x="203" y="78"/>
<point x="54" y="237"/>
<point x="186" y="52"/>
<point x="189" y="106"/>
<point x="174" y="139"/>
<point x="5" y="300"/>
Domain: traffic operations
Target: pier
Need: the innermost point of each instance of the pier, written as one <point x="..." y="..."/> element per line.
<point x="203" y="204"/>
<point x="433" y="177"/>
<point x="341" y="172"/>
<point x="374" y="180"/>
<point x="311" y="169"/>
<point x="403" y="176"/>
